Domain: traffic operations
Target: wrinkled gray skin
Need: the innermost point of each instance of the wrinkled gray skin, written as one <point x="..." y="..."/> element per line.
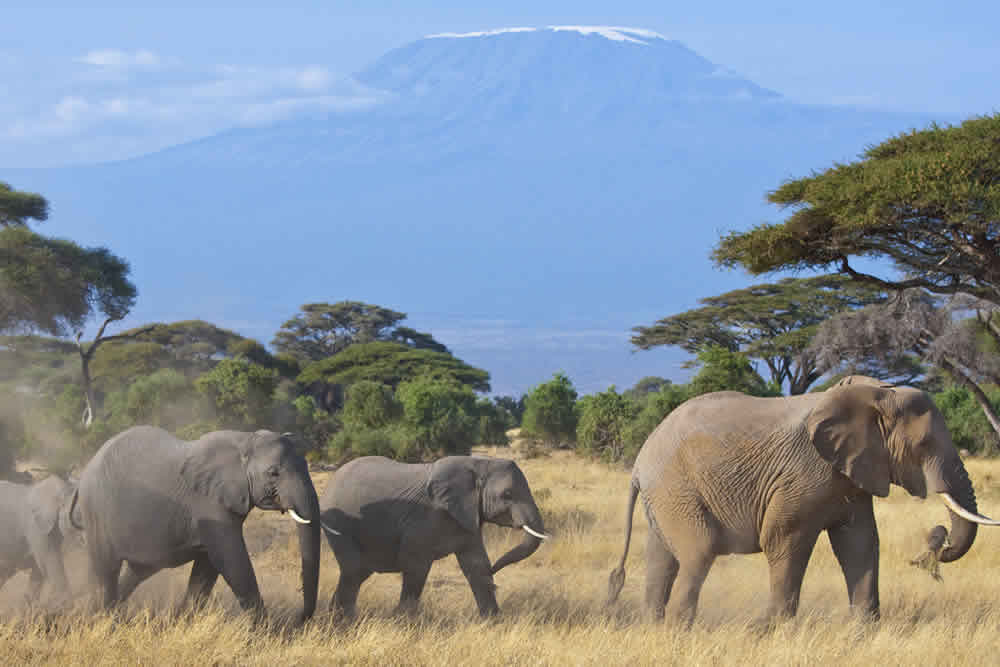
<point x="727" y="473"/>
<point x="33" y="524"/>
<point x="155" y="502"/>
<point x="399" y="517"/>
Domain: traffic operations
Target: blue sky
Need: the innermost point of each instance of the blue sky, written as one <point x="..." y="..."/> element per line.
<point x="117" y="79"/>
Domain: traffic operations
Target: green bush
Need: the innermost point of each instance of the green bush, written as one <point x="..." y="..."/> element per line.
<point x="149" y="399"/>
<point x="656" y="407"/>
<point x="440" y="414"/>
<point x="966" y="422"/>
<point x="604" y="420"/>
<point x="394" y="441"/>
<point x="494" y="420"/>
<point x="369" y="405"/>
<point x="725" y="370"/>
<point x="241" y="390"/>
<point x="550" y="411"/>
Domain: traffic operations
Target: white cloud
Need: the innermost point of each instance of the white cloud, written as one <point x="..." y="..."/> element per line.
<point x="128" y="103"/>
<point x="118" y="58"/>
<point x="313" y="78"/>
<point x="70" y="109"/>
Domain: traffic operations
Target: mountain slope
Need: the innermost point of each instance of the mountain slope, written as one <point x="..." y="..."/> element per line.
<point x="526" y="195"/>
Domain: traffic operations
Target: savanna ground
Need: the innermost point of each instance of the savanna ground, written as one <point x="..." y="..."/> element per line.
<point x="552" y="603"/>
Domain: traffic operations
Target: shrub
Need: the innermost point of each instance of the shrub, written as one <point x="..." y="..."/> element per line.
<point x="966" y="422"/>
<point x="369" y="405"/>
<point x="494" y="421"/>
<point x="725" y="370"/>
<point x="604" y="419"/>
<point x="441" y="416"/>
<point x="656" y="407"/>
<point x="395" y="441"/>
<point x="241" y="391"/>
<point x="550" y="411"/>
<point x="149" y="398"/>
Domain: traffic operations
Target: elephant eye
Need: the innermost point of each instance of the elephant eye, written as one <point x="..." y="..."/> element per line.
<point x="507" y="495"/>
<point x="273" y="472"/>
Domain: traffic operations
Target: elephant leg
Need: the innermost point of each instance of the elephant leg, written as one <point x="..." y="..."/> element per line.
<point x="691" y="573"/>
<point x="46" y="552"/>
<point x="855" y="544"/>
<point x="788" y="560"/>
<point x="133" y="575"/>
<point x="414" y="578"/>
<point x="475" y="564"/>
<point x="35" y="580"/>
<point x="345" y="598"/>
<point x="200" y="583"/>
<point x="661" y="570"/>
<point x="104" y="571"/>
<point x="227" y="552"/>
<point x="353" y="573"/>
<point x="6" y="572"/>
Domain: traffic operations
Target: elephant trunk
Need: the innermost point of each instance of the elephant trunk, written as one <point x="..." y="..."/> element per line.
<point x="963" y="530"/>
<point x="534" y="533"/>
<point x="306" y="506"/>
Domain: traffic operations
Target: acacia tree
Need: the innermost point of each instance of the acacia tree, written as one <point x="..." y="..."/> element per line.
<point x="772" y="322"/>
<point x="86" y="356"/>
<point x="391" y="364"/>
<point x="322" y="330"/>
<point x="54" y="286"/>
<point x="17" y="207"/>
<point x="928" y="201"/>
<point x="916" y="323"/>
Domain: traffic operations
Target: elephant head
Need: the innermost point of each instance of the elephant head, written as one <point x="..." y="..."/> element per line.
<point x="263" y="470"/>
<point x="876" y="434"/>
<point x="478" y="489"/>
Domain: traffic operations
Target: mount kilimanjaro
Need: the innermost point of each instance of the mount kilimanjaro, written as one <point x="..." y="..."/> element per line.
<point x="527" y="195"/>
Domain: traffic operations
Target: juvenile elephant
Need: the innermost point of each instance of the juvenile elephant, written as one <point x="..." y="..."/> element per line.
<point x="728" y="473"/>
<point x="154" y="501"/>
<point x="33" y="524"/>
<point x="384" y="516"/>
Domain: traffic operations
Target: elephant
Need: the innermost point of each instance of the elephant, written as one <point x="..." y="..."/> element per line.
<point x="154" y="501"/>
<point x="383" y="516"/>
<point x="33" y="525"/>
<point x="727" y="473"/>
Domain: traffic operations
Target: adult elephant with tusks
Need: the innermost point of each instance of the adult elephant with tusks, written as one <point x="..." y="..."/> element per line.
<point x="384" y="516"/>
<point x="728" y="473"/>
<point x="154" y="501"/>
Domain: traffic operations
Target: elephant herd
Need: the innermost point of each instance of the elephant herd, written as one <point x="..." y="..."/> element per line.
<point x="150" y="501"/>
<point x="724" y="473"/>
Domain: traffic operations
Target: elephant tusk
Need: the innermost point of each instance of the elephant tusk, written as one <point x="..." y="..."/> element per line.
<point x="534" y="533"/>
<point x="298" y="519"/>
<point x="327" y="528"/>
<point x="966" y="514"/>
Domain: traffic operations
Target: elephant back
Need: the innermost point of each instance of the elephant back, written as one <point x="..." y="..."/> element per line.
<point x="142" y="460"/>
<point x="693" y="431"/>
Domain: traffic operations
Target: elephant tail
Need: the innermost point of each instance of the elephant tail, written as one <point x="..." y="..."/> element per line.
<point x="72" y="509"/>
<point x="617" y="577"/>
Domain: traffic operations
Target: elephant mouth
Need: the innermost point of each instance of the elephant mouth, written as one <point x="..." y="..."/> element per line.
<point x="273" y="504"/>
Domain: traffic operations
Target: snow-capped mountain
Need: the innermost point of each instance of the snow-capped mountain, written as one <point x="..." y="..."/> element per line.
<point x="526" y="194"/>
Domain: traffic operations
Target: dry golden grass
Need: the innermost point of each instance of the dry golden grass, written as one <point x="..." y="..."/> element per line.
<point x="552" y="604"/>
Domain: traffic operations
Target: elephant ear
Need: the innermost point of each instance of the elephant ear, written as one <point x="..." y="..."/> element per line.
<point x="846" y="430"/>
<point x="454" y="486"/>
<point x="218" y="470"/>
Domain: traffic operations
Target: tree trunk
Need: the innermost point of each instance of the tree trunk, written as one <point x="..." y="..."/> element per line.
<point x="86" y="354"/>
<point x="977" y="393"/>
